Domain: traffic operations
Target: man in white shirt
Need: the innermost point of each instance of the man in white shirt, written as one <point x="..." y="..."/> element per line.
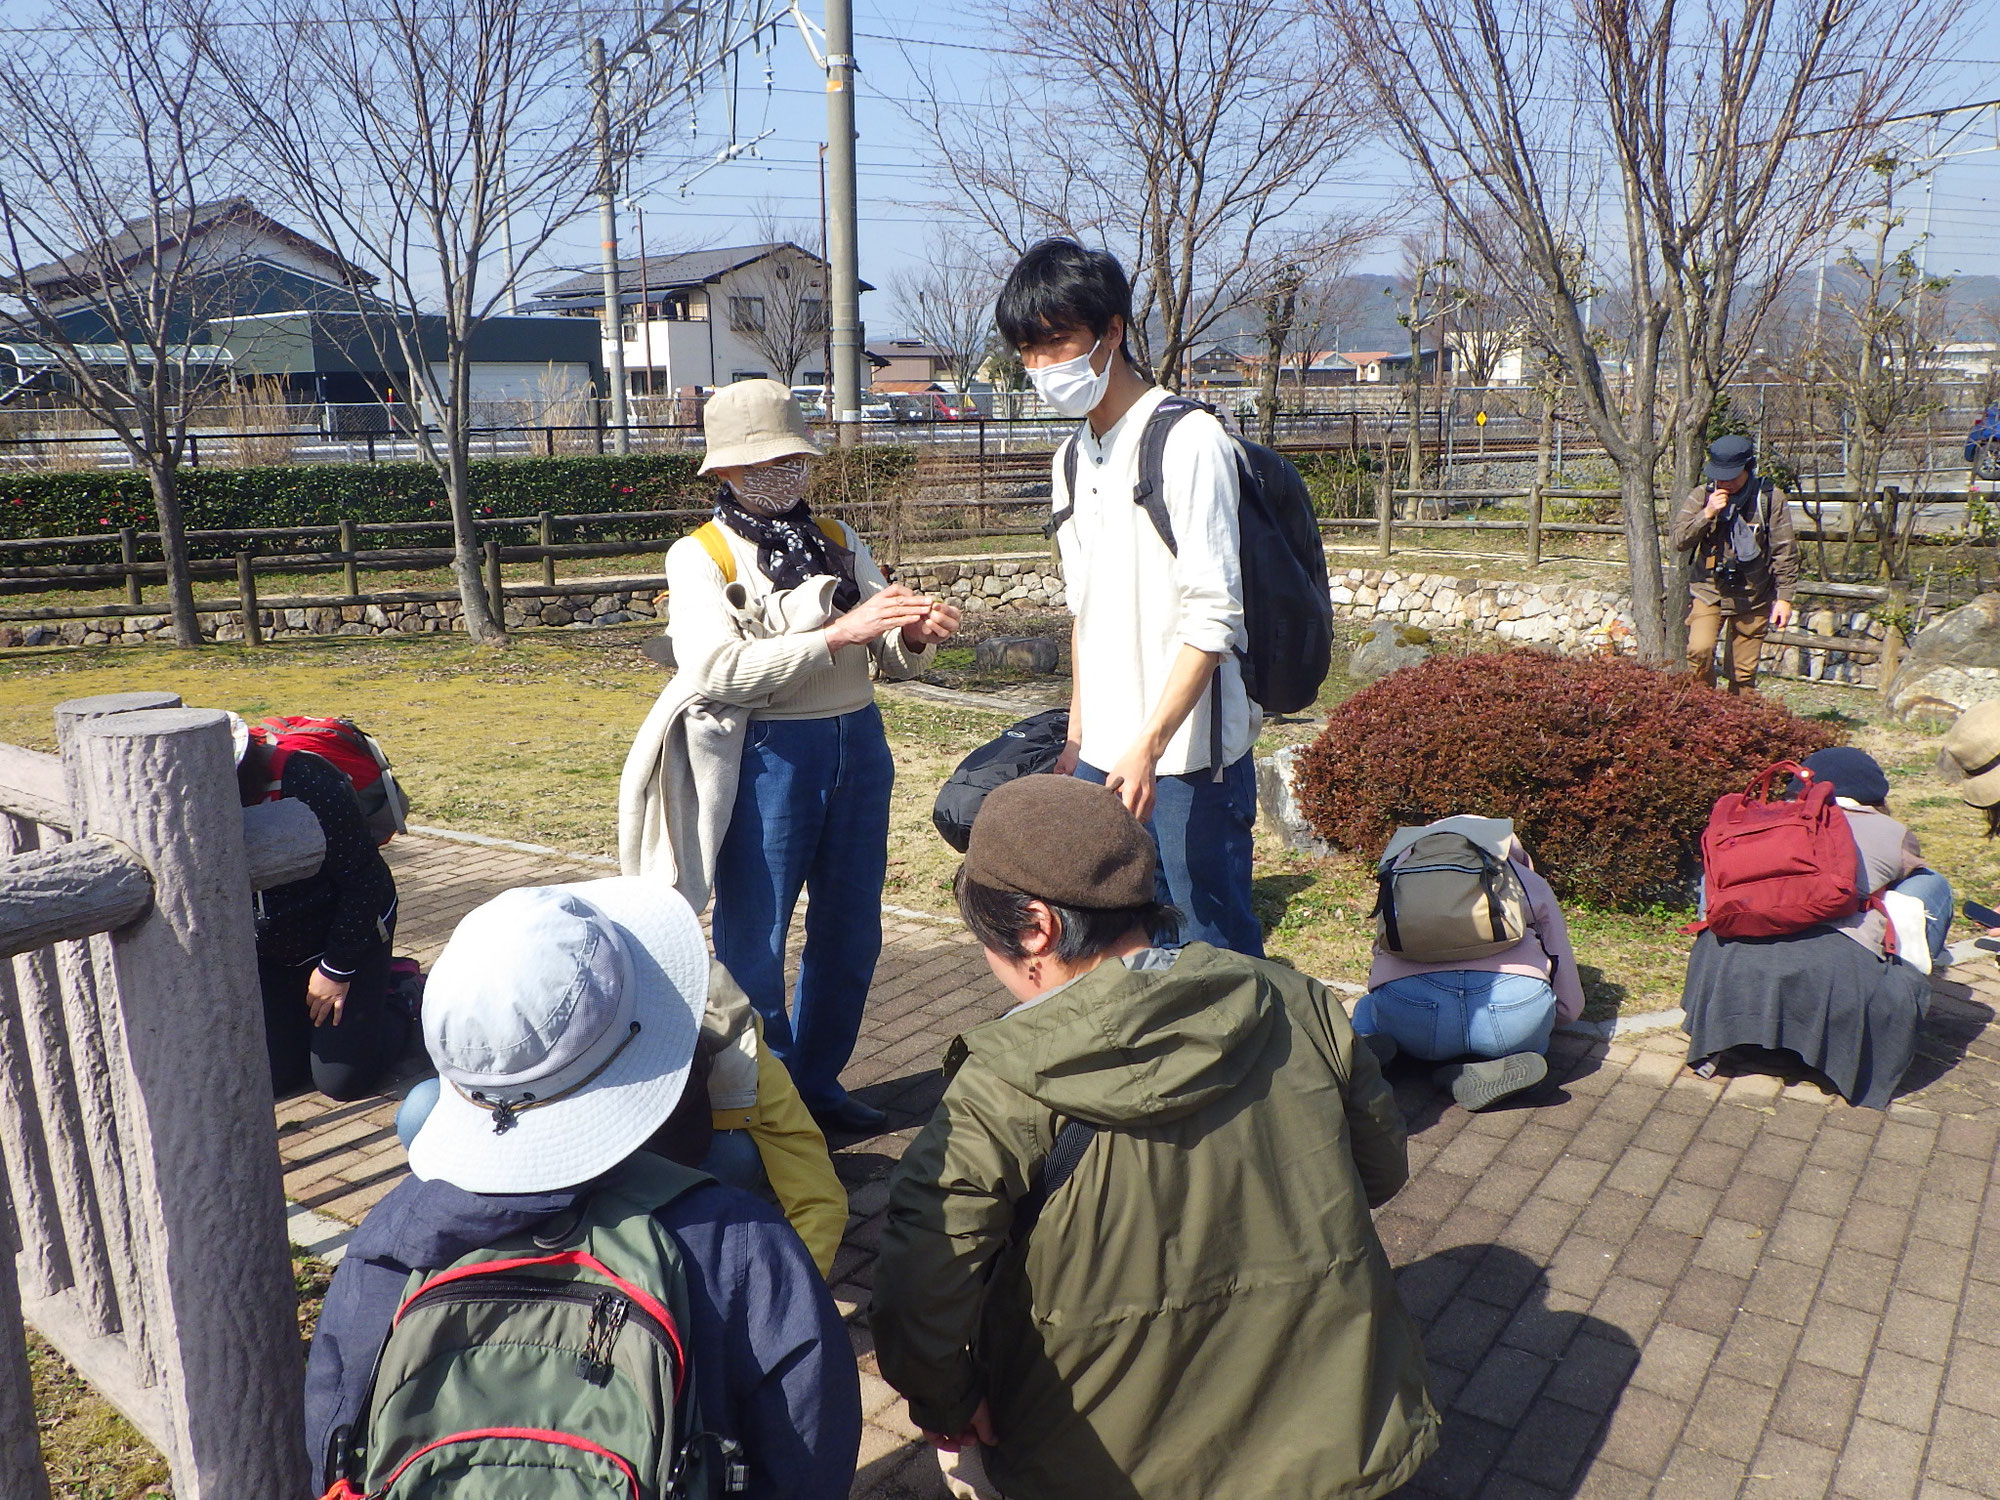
<point x="1157" y="628"/>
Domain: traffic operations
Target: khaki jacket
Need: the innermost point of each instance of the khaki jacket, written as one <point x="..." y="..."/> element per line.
<point x="1203" y="1309"/>
<point x="1772" y="576"/>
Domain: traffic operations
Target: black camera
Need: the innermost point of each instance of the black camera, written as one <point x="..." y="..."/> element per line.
<point x="1732" y="577"/>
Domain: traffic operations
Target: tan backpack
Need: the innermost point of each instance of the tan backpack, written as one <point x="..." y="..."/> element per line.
<point x="1444" y="898"/>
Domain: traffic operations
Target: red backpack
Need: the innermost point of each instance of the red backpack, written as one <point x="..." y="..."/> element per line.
<point x="1773" y="868"/>
<point x="346" y="746"/>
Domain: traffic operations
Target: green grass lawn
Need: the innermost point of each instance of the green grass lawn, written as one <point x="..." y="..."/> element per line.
<point x="527" y="744"/>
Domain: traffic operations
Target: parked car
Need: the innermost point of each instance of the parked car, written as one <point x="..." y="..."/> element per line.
<point x="815" y="401"/>
<point x="877" y="409"/>
<point x="1982" y="445"/>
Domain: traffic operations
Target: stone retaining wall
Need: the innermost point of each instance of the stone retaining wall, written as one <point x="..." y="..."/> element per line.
<point x="1027" y="580"/>
<point x="578" y="609"/>
<point x="1569" y="619"/>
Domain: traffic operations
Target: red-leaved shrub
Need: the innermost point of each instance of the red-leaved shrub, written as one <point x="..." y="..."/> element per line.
<point x="1608" y="768"/>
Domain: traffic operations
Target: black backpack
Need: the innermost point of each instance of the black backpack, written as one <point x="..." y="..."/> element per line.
<point x="1287" y="612"/>
<point x="1030" y="747"/>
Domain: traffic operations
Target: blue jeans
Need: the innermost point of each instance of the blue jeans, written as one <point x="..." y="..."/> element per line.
<point x="415" y="1109"/>
<point x="1461" y="1012"/>
<point x="1934" y="891"/>
<point x="812" y="814"/>
<point x="1204" y="830"/>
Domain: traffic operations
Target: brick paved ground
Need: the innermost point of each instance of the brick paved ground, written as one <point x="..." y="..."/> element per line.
<point x="1638" y="1283"/>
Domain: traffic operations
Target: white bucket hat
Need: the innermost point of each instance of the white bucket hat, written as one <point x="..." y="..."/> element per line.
<point x="753" y="422"/>
<point x="562" y="1020"/>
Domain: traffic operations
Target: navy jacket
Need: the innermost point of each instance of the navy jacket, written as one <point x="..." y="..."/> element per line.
<point x="773" y="1362"/>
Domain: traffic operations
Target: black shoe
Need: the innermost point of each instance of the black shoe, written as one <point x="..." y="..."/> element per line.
<point x="847" y="1115"/>
<point x="1478" y="1085"/>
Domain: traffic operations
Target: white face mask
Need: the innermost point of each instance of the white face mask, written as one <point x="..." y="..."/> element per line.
<point x="1073" y="388"/>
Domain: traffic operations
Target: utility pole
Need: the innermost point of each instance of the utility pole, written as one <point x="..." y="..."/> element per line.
<point x="844" y="213"/>
<point x="607" y="220"/>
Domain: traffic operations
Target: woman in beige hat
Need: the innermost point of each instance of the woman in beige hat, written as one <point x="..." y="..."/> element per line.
<point x="812" y="802"/>
<point x="1970" y="760"/>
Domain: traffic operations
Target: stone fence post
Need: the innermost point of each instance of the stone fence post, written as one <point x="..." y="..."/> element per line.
<point x="203" y="1158"/>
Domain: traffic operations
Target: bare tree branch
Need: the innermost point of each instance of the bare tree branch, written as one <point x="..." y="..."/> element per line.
<point x="416" y="136"/>
<point x="1731" y="137"/>
<point x="1179" y="134"/>
<point x="116" y="176"/>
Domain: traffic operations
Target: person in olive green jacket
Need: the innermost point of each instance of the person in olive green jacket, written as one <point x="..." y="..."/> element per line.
<point x="1202" y="1309"/>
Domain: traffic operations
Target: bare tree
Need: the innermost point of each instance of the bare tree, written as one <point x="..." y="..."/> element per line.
<point x="1878" y="357"/>
<point x="112" y="159"/>
<point x="781" y="311"/>
<point x="949" y="305"/>
<point x="1433" y="298"/>
<point x="421" y="137"/>
<point x="1488" y="323"/>
<point x="1328" y="306"/>
<point x="1731" y="135"/>
<point x="1179" y="134"/>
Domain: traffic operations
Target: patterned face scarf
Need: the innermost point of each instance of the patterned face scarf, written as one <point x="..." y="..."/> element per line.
<point x="767" y="506"/>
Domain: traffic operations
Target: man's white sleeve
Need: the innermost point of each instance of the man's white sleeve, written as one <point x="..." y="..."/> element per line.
<point x="1201" y="498"/>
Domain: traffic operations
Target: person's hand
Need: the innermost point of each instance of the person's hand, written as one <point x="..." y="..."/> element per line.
<point x="1781" y="613"/>
<point x="1132" y="779"/>
<point x="979" y="1431"/>
<point x="326" y="998"/>
<point x="1717" y="498"/>
<point x="1066" y="763"/>
<point x="936" y="625"/>
<point x="892" y="608"/>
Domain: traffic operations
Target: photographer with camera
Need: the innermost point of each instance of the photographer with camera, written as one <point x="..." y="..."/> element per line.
<point x="1745" y="561"/>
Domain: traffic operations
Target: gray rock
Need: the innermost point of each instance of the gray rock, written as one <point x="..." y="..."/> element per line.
<point x="1385" y="650"/>
<point x="1279" y="809"/>
<point x="1016" y="653"/>
<point x="1952" y="664"/>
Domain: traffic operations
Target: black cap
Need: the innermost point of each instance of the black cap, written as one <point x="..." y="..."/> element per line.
<point x="1855" y="774"/>
<point x="1729" y="456"/>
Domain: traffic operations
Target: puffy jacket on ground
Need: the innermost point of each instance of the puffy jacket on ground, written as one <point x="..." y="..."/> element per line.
<point x="1204" y="1309"/>
<point x="749" y="1090"/>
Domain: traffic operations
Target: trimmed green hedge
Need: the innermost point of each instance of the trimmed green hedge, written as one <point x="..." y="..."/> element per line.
<point x="321" y="494"/>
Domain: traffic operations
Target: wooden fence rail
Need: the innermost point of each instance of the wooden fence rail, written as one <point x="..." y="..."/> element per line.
<point x="901" y="522"/>
<point x="140" y="1155"/>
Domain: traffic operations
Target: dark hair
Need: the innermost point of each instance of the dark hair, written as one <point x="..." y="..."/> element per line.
<point x="999" y="919"/>
<point x="1058" y="287"/>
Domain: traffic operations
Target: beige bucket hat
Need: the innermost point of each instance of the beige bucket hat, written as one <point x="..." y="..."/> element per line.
<point x="753" y="422"/>
<point x="1970" y="759"/>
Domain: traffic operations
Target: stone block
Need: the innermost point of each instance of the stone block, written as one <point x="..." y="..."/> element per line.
<point x="1016" y="653"/>
<point x="1382" y="651"/>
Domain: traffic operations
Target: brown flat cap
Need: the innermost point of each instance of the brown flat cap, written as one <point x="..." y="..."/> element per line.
<point x="1061" y="840"/>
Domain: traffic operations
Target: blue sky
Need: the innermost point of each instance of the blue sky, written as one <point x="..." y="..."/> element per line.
<point x="903" y="47"/>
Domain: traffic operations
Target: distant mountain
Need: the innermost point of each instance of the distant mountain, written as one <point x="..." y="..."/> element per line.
<point x="1367" y="321"/>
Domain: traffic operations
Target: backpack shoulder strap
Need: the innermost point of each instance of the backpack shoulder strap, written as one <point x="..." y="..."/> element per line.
<point x="1150" y="492"/>
<point x="1072" y="1141"/>
<point x="716" y="545"/>
<point x="833" y="531"/>
<point x="1069" y="461"/>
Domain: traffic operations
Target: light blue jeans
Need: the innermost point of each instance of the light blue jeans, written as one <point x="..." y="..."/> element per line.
<point x="1934" y="891"/>
<point x="1461" y="1013"/>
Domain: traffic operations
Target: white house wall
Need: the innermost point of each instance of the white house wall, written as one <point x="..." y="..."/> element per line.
<point x="711" y="353"/>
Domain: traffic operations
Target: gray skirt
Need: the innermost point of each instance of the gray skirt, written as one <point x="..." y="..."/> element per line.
<point x="1846" y="1012"/>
